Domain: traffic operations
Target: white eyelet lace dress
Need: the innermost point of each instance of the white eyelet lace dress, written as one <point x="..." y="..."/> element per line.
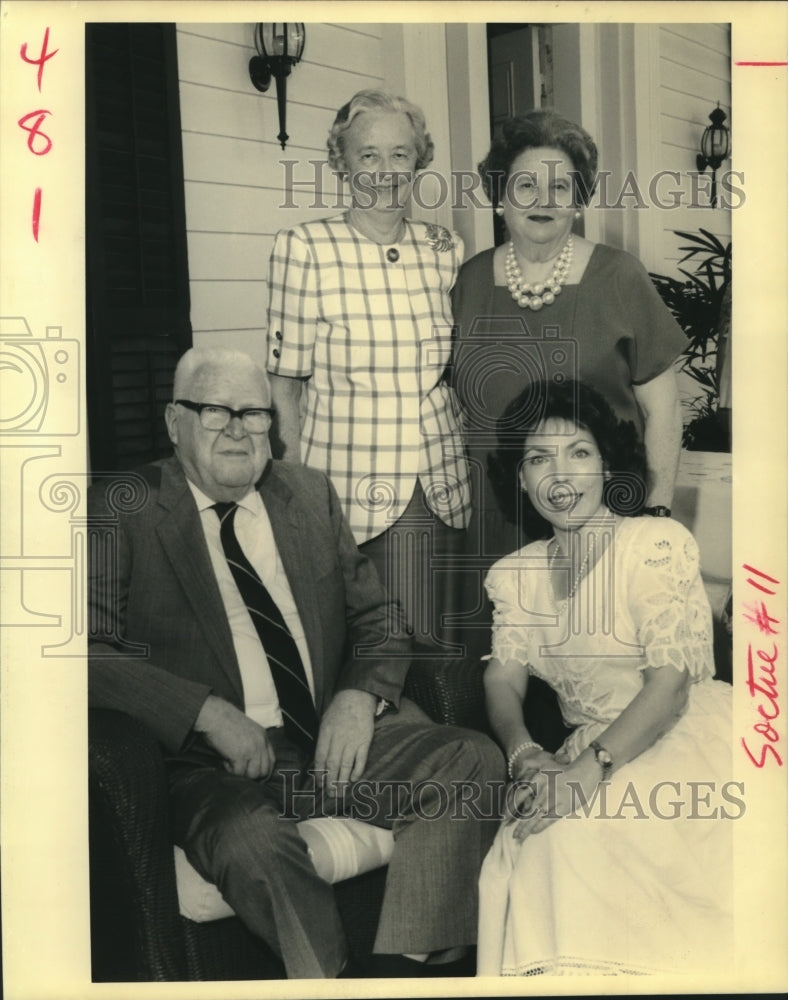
<point x="643" y="883"/>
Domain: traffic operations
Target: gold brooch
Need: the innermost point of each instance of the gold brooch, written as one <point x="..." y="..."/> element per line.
<point x="439" y="238"/>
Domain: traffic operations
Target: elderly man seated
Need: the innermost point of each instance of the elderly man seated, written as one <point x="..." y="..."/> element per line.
<point x="245" y="629"/>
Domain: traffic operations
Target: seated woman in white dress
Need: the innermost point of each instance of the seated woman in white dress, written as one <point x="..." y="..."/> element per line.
<point x="615" y="853"/>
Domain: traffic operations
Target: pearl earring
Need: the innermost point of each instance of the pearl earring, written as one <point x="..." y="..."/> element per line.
<point x="578" y="213"/>
<point x="499" y="209"/>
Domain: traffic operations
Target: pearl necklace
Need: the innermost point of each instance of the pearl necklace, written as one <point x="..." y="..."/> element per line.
<point x="542" y="293"/>
<point x="561" y="605"/>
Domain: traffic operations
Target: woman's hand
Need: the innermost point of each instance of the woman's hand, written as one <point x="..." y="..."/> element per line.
<point x="520" y="792"/>
<point x="553" y="792"/>
<point x="529" y="763"/>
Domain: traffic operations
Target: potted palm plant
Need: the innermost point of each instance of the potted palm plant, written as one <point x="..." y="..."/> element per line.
<point x="701" y="305"/>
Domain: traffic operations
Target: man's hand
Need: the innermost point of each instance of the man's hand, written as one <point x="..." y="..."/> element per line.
<point x="345" y="735"/>
<point x="240" y="740"/>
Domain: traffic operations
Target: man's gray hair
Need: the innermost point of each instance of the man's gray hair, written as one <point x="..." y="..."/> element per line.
<point x="199" y="359"/>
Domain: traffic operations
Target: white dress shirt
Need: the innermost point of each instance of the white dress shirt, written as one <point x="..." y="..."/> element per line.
<point x="256" y="538"/>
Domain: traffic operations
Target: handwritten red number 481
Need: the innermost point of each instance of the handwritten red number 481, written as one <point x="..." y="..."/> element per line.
<point x="38" y="142"/>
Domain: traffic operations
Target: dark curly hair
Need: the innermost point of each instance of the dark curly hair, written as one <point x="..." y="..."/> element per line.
<point x="623" y="453"/>
<point x="533" y="130"/>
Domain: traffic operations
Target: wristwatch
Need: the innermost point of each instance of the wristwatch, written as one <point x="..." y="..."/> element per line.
<point x="603" y="757"/>
<point x="659" y="511"/>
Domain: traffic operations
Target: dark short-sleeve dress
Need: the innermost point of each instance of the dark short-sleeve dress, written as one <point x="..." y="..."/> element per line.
<point x="611" y="330"/>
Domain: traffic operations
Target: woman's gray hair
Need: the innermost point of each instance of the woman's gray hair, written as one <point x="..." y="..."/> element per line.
<point x="378" y="100"/>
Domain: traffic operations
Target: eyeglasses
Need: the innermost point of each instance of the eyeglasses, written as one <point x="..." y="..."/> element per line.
<point x="255" y="419"/>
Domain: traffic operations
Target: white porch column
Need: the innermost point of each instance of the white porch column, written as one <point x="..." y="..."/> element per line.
<point x="415" y="67"/>
<point x="613" y="93"/>
<point x="469" y="121"/>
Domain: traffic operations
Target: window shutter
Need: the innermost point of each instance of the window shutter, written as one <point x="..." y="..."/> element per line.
<point x="137" y="268"/>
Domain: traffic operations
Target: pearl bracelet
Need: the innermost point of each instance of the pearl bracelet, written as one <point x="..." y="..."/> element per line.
<point x="525" y="745"/>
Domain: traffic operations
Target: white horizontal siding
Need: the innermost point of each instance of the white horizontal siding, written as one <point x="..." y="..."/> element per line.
<point x="240" y="186"/>
<point x="244" y="300"/>
<point x="714" y="37"/>
<point x="240" y="33"/>
<point x="694" y="74"/>
<point x="222" y="208"/>
<point x="681" y="50"/>
<point x="691" y="82"/>
<point x="229" y="256"/>
<point x="217" y="159"/>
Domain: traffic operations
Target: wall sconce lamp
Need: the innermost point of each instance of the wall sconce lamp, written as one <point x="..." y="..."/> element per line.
<point x="279" y="47"/>
<point x="714" y="147"/>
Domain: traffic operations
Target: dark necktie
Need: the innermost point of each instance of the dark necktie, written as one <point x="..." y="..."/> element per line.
<point x="287" y="670"/>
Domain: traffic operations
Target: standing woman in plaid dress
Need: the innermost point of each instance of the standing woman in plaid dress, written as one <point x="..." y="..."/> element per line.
<point x="359" y="335"/>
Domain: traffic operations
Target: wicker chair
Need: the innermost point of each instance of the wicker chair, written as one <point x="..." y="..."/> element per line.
<point x="137" y="932"/>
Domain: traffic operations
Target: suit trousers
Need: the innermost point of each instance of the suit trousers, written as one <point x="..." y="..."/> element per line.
<point x="436" y="787"/>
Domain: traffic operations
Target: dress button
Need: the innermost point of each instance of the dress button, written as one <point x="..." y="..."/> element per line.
<point x="278" y="334"/>
<point x="277" y="353"/>
<point x="392" y="255"/>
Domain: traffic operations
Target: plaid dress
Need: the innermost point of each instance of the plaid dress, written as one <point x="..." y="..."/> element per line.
<point x="369" y="328"/>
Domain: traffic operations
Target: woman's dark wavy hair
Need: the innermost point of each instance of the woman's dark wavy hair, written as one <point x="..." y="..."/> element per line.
<point x="533" y="130"/>
<point x="622" y="451"/>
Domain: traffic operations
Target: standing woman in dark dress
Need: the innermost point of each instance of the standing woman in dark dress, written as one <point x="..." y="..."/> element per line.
<point x="549" y="304"/>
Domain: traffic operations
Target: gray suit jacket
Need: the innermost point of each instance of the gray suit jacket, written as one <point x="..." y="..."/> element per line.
<point x="159" y="637"/>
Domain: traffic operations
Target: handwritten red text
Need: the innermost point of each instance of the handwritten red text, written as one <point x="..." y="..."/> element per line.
<point x="762" y="673"/>
<point x="38" y="142"/>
